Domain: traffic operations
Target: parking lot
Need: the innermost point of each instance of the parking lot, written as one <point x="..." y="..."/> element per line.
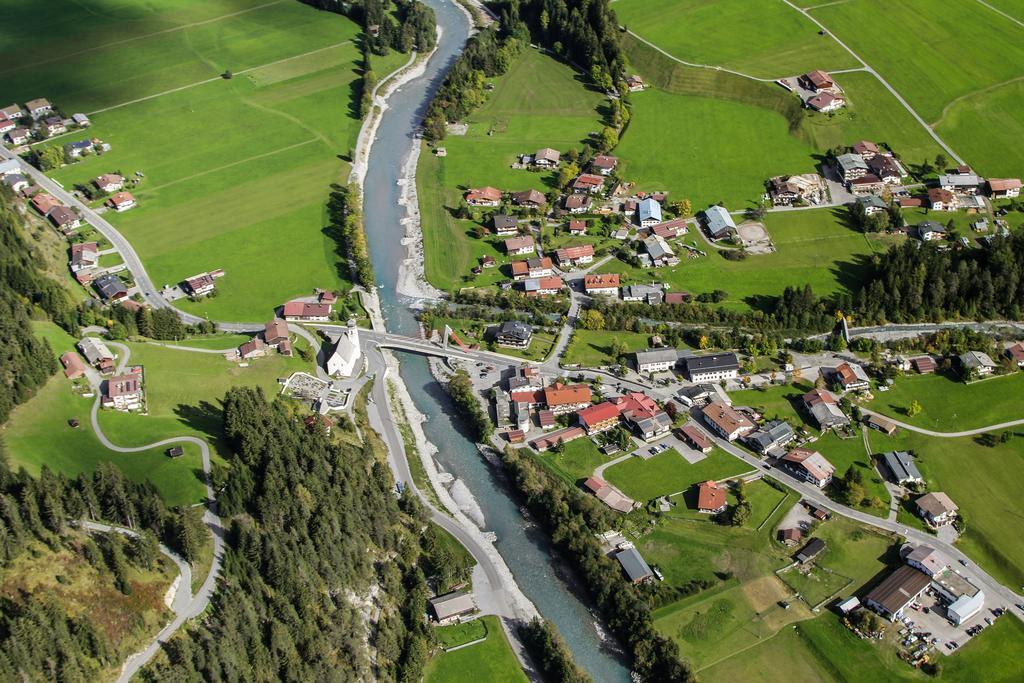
<point x="929" y="623"/>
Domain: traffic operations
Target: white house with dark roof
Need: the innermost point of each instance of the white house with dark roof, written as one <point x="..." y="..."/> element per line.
<point x="649" y="211"/>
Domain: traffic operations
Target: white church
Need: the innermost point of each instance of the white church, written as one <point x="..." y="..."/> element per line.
<point x="347" y="353"/>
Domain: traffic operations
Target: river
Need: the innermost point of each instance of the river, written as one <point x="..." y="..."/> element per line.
<point x="525" y="550"/>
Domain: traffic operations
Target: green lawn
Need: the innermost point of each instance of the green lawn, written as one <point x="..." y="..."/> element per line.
<point x="844" y="453"/>
<point x="668" y="473"/>
<point x="964" y="469"/>
<point x="814" y="584"/>
<point x="593" y="348"/>
<point x="460" y="634"/>
<point x="949" y="405"/>
<point x="491" y="660"/>
<point x="813" y="247"/>
<point x="236" y="171"/>
<point x="577" y="460"/>
<point x="539" y="102"/>
<point x="965" y="91"/>
<point x="778" y="402"/>
<point x="183" y="391"/>
<point x="764" y="500"/>
<point x="473" y="332"/>
<point x="763" y="39"/>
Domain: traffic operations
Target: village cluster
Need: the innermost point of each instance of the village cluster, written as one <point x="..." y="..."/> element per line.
<point x="37" y="120"/>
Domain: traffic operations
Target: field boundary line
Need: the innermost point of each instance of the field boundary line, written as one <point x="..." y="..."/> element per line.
<point x="216" y="78"/>
<point x="123" y="41"/>
<point x="967" y="96"/>
<point x="999" y="11"/>
<point x="870" y="69"/>
<point x="223" y="168"/>
<point x="827" y="4"/>
<point x="699" y="66"/>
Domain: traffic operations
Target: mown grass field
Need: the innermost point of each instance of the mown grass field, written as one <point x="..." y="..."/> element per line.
<point x="236" y="171"/>
<point x="539" y="102"/>
<point x="592" y="348"/>
<point x="183" y="391"/>
<point x="985" y="482"/>
<point x="968" y="90"/>
<point x="575" y="461"/>
<point x="669" y="472"/>
<point x="763" y="39"/>
<point x="814" y="247"/>
<point x="950" y="405"/>
<point x="740" y="132"/>
<point x="491" y="660"/>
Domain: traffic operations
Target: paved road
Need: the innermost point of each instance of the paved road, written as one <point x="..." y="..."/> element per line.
<point x="885" y="83"/>
<point x="197" y="603"/>
<point x="995" y="592"/>
<point x="946" y="435"/>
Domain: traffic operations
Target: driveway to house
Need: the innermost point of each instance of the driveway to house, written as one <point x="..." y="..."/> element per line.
<point x="945" y="435"/>
<point x="197" y="603"/>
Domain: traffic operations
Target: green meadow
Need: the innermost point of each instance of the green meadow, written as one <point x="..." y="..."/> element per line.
<point x="490" y="660"/>
<point x="813" y="247"/>
<point x="762" y="39"/>
<point x="183" y="391"/>
<point x="669" y="472"/>
<point x="235" y="172"/>
<point x="958" y="64"/>
<point x="538" y="103"/>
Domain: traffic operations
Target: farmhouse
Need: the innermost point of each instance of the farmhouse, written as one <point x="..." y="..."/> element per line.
<point x="649" y="212"/>
<point x="659" y="252"/>
<point x="930" y="231"/>
<point x="695" y="438"/>
<point x="200" y="285"/>
<point x="816" y="81"/>
<point x="547" y="158"/>
<point x="850" y="376"/>
<point x="826" y="102"/>
<point x="718" y="223"/>
<point x="64" y="218"/>
<point x="923" y="365"/>
<point x="936" y="508"/>
<point x="12" y="112"/>
<point x="254" y="348"/>
<point x="73" y="365"/>
<point x="108" y="182"/>
<point x="544" y="286"/>
<point x="577" y="203"/>
<point x="44" y="202"/>
<point x="449" y="607"/>
<point x="1016" y="354"/>
<point x="604" y="164"/>
<point x="76" y="149"/>
<point x="651" y="294"/>
<point x="961" y="183"/>
<point x="711" y="498"/>
<point x="484" y="196"/>
<point x="885" y="168"/>
<point x="96" y="353"/>
<point x="670" y="229"/>
<point x="39" y="108"/>
<point x="941" y="199"/>
<point x="347" y="352"/>
<point x="531" y="199"/>
<point x="977" y="362"/>
<point x="713" y="367"/>
<point x="601" y="284"/>
<point x="110" y="287"/>
<point x="122" y="201"/>
<point x="574" y="256"/>
<point x="534" y="267"/>
<point x="513" y="334"/>
<point x="275" y="333"/>
<point x="851" y="166"/>
<point x="515" y="246"/>
<point x="642" y="413"/>
<point x="124" y="392"/>
<point x="599" y="418"/>
<point x="588" y="182"/>
<point x="807" y="465"/>
<point x="81" y="120"/>
<point x="866" y="149"/>
<point x="901" y="468"/>
<point x="726" y="421"/>
<point x="304" y="311"/>
<point x="505" y="225"/>
<point x="634" y="565"/>
<point x="634" y="83"/>
<point x="897" y="591"/>
<point x="656" y="360"/>
<point x="84" y="255"/>
<point x="608" y="494"/>
<point x="822" y="406"/>
<point x="774" y="435"/>
<point x="1004" y="188"/>
<point x="577" y="227"/>
<point x="785" y="190"/>
<point x="790" y="536"/>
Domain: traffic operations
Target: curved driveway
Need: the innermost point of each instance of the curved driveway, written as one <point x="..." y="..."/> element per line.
<point x="946" y="435"/>
<point x="195" y="604"/>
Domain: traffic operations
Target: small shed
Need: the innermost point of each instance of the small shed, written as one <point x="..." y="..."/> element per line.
<point x="450" y="606"/>
<point x="175" y="452"/>
<point x="848" y="605"/>
<point x="634" y="565"/>
<point x="813" y="548"/>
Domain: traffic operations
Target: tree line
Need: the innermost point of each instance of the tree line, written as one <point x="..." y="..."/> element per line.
<point x="313" y="530"/>
<point x="572" y="520"/>
<point x="346" y="228"/>
<point x="460" y="388"/>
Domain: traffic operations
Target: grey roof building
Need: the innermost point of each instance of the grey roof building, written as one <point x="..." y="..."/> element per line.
<point x="813" y="548"/>
<point x="452" y="605"/>
<point x="718" y="221"/>
<point x="851" y="164"/>
<point x="514" y="333"/>
<point x="649" y="211"/>
<point x="872" y="203"/>
<point x="775" y="434"/>
<point x="658" y="248"/>
<point x="656" y="360"/>
<point x="652" y="294"/>
<point x="110" y="287"/>
<point x="712" y="367"/>
<point x="634" y="565"/>
<point x="901" y="467"/>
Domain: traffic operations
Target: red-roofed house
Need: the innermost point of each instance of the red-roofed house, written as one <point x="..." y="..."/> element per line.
<point x="588" y="182"/>
<point x="810" y="466"/>
<point x="124" y="392"/>
<point x="562" y="436"/>
<point x="923" y="364"/>
<point x="1016" y="354"/>
<point x="711" y="498"/>
<point x="577" y="227"/>
<point x="696" y="438"/>
<point x="518" y="246"/>
<point x="575" y="256"/>
<point x="122" y="201"/>
<point x="43" y="202"/>
<point x="604" y="164"/>
<point x="74" y="367"/>
<point x="816" y="81"/>
<point x="304" y="311"/>
<point x="561" y="398"/>
<point x="607" y="284"/>
<point x="1004" y="188"/>
<point x="484" y="196"/>
<point x="599" y="418"/>
<point x="608" y="494"/>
